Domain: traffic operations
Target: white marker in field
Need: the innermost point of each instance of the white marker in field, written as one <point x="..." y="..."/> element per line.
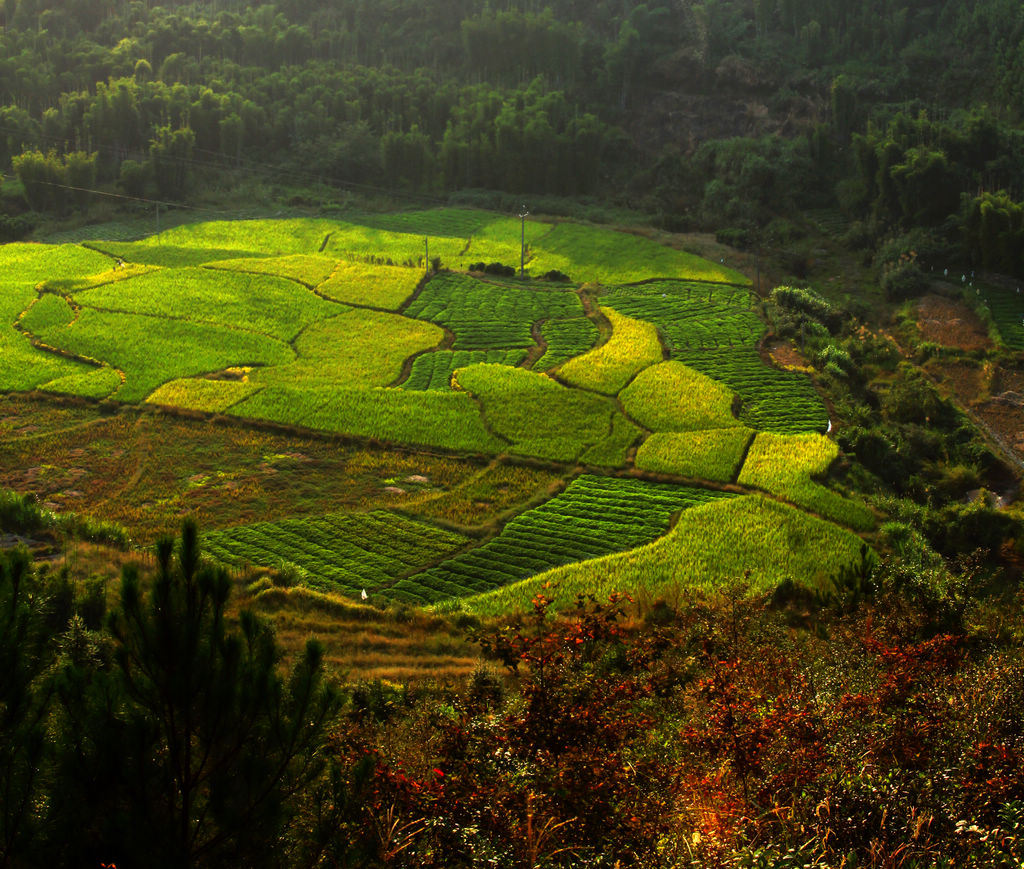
<point x="364" y="595"/>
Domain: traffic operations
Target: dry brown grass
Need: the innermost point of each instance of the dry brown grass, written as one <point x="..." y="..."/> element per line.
<point x="487" y="495"/>
<point x="364" y="643"/>
<point x="951" y="323"/>
<point x="148" y="470"/>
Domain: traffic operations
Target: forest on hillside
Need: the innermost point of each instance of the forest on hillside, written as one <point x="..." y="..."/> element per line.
<point x="719" y="115"/>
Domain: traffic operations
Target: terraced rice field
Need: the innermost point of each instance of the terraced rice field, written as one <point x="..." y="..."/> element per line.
<point x="713" y="330"/>
<point x="611" y="451"/>
<point x="690" y="316"/>
<point x="592" y="254"/>
<point x="671" y="397"/>
<point x="711" y="545"/>
<point x="565" y="339"/>
<point x="310" y="270"/>
<point x="714" y="454"/>
<point x="264" y="304"/>
<point x="593" y="516"/>
<point x="632" y="347"/>
<point x="450" y="420"/>
<point x="434" y="370"/>
<point x="488" y="316"/>
<point x="344" y="553"/>
<point x="1007" y="309"/>
<point x="337" y="327"/>
<point x="785" y="464"/>
<point x="771" y="399"/>
<point x="149" y="350"/>
<point x="534" y="414"/>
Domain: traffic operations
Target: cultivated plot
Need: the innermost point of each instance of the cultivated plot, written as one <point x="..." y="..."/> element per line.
<point x="486" y="315"/>
<point x="343" y="553"/>
<point x="592" y="517"/>
<point x="709" y="546"/>
<point x="339" y="327"/>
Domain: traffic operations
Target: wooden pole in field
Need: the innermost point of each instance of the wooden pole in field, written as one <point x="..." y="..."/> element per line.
<point x="522" y="241"/>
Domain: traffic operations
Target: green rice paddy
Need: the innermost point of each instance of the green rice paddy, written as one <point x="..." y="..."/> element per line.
<point x="337" y="326"/>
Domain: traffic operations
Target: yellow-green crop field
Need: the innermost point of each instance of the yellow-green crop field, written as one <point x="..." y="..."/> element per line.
<point x="341" y="328"/>
<point x="710" y="545"/>
<point x="632" y="347"/>
<point x="785" y="464"/>
<point x="695" y="401"/>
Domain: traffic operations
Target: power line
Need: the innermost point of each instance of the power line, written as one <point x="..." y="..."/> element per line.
<point x="156" y="202"/>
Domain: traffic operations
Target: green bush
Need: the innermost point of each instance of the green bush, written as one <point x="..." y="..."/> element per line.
<point x="903" y="281"/>
<point x="14" y="228"/>
<point x="807" y="302"/>
<point x="736" y="237"/>
<point x="836" y="357"/>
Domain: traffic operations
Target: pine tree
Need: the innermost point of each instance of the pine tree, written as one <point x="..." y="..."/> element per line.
<point x="23" y="702"/>
<point x="186" y="751"/>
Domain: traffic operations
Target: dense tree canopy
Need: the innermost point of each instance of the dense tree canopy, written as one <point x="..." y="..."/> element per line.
<point x="717" y="114"/>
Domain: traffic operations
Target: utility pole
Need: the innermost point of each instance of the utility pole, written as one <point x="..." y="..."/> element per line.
<point x="523" y="213"/>
<point x="158" y="218"/>
<point x="426" y="253"/>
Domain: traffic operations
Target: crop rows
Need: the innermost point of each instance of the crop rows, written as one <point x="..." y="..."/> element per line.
<point x="487" y="316"/>
<point x="1007" y="309"/>
<point x="565" y="339"/>
<point x="713" y="330"/>
<point x="752" y="537"/>
<point x="493" y="490"/>
<point x="339" y="552"/>
<point x="773" y="400"/>
<point x="690" y="315"/>
<point x="434" y="370"/>
<point x="594" y="516"/>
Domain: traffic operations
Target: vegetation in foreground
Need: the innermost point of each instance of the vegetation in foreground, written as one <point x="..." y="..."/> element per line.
<point x="876" y="723"/>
